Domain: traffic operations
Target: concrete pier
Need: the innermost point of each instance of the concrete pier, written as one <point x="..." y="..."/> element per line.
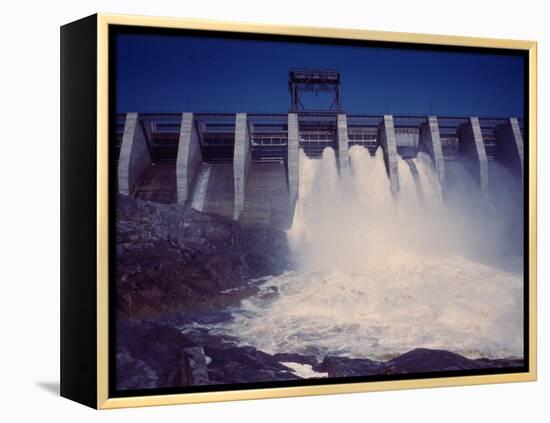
<point x="293" y="159"/>
<point x="189" y="160"/>
<point x="431" y="141"/>
<point x="509" y="146"/>
<point x="134" y="155"/>
<point x="343" y="141"/>
<point x="472" y="149"/>
<point x="388" y="141"/>
<point x="241" y="162"/>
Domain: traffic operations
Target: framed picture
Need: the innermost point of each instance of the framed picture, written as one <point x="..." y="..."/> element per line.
<point x="253" y="211"/>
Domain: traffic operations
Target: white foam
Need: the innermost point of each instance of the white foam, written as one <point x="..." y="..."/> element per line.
<point x="303" y="370"/>
<point x="388" y="308"/>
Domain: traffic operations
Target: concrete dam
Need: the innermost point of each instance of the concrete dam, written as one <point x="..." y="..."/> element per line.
<point x="246" y="166"/>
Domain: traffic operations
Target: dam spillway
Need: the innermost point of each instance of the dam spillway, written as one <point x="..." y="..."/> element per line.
<point x="246" y="166"/>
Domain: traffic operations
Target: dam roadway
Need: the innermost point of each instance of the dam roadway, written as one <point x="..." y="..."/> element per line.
<point x="245" y="166"/>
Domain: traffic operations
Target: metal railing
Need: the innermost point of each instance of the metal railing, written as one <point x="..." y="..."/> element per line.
<point x="268" y="133"/>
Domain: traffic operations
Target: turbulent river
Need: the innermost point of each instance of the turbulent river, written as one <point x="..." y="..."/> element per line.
<point x="380" y="276"/>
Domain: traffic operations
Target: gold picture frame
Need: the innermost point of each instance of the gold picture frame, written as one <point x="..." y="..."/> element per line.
<point x="102" y="224"/>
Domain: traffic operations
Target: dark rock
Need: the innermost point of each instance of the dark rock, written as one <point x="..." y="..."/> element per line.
<point x="172" y="258"/>
<point x="232" y="364"/>
<point x="133" y="373"/>
<point x="197" y="366"/>
<point x="346" y="367"/>
<point x="422" y="360"/>
<point x="224" y="360"/>
<point x="152" y="355"/>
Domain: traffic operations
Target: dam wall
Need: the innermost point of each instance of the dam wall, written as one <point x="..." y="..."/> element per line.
<point x="266" y="196"/>
<point x="245" y="166"/>
<point x="157" y="183"/>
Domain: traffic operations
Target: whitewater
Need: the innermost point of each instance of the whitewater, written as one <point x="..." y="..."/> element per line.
<point x="378" y="276"/>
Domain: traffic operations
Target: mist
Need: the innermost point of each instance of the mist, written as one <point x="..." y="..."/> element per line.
<point x="351" y="219"/>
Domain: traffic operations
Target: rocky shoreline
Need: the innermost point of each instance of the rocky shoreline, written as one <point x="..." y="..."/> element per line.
<point x="156" y="355"/>
<point x="172" y="258"/>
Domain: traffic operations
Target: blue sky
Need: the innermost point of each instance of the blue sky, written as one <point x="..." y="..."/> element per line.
<point x="172" y="73"/>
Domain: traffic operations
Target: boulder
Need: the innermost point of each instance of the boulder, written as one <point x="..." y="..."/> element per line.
<point x="230" y="363"/>
<point x="423" y="360"/>
<point x="233" y="364"/>
<point x="152" y="355"/>
<point x="346" y="367"/>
